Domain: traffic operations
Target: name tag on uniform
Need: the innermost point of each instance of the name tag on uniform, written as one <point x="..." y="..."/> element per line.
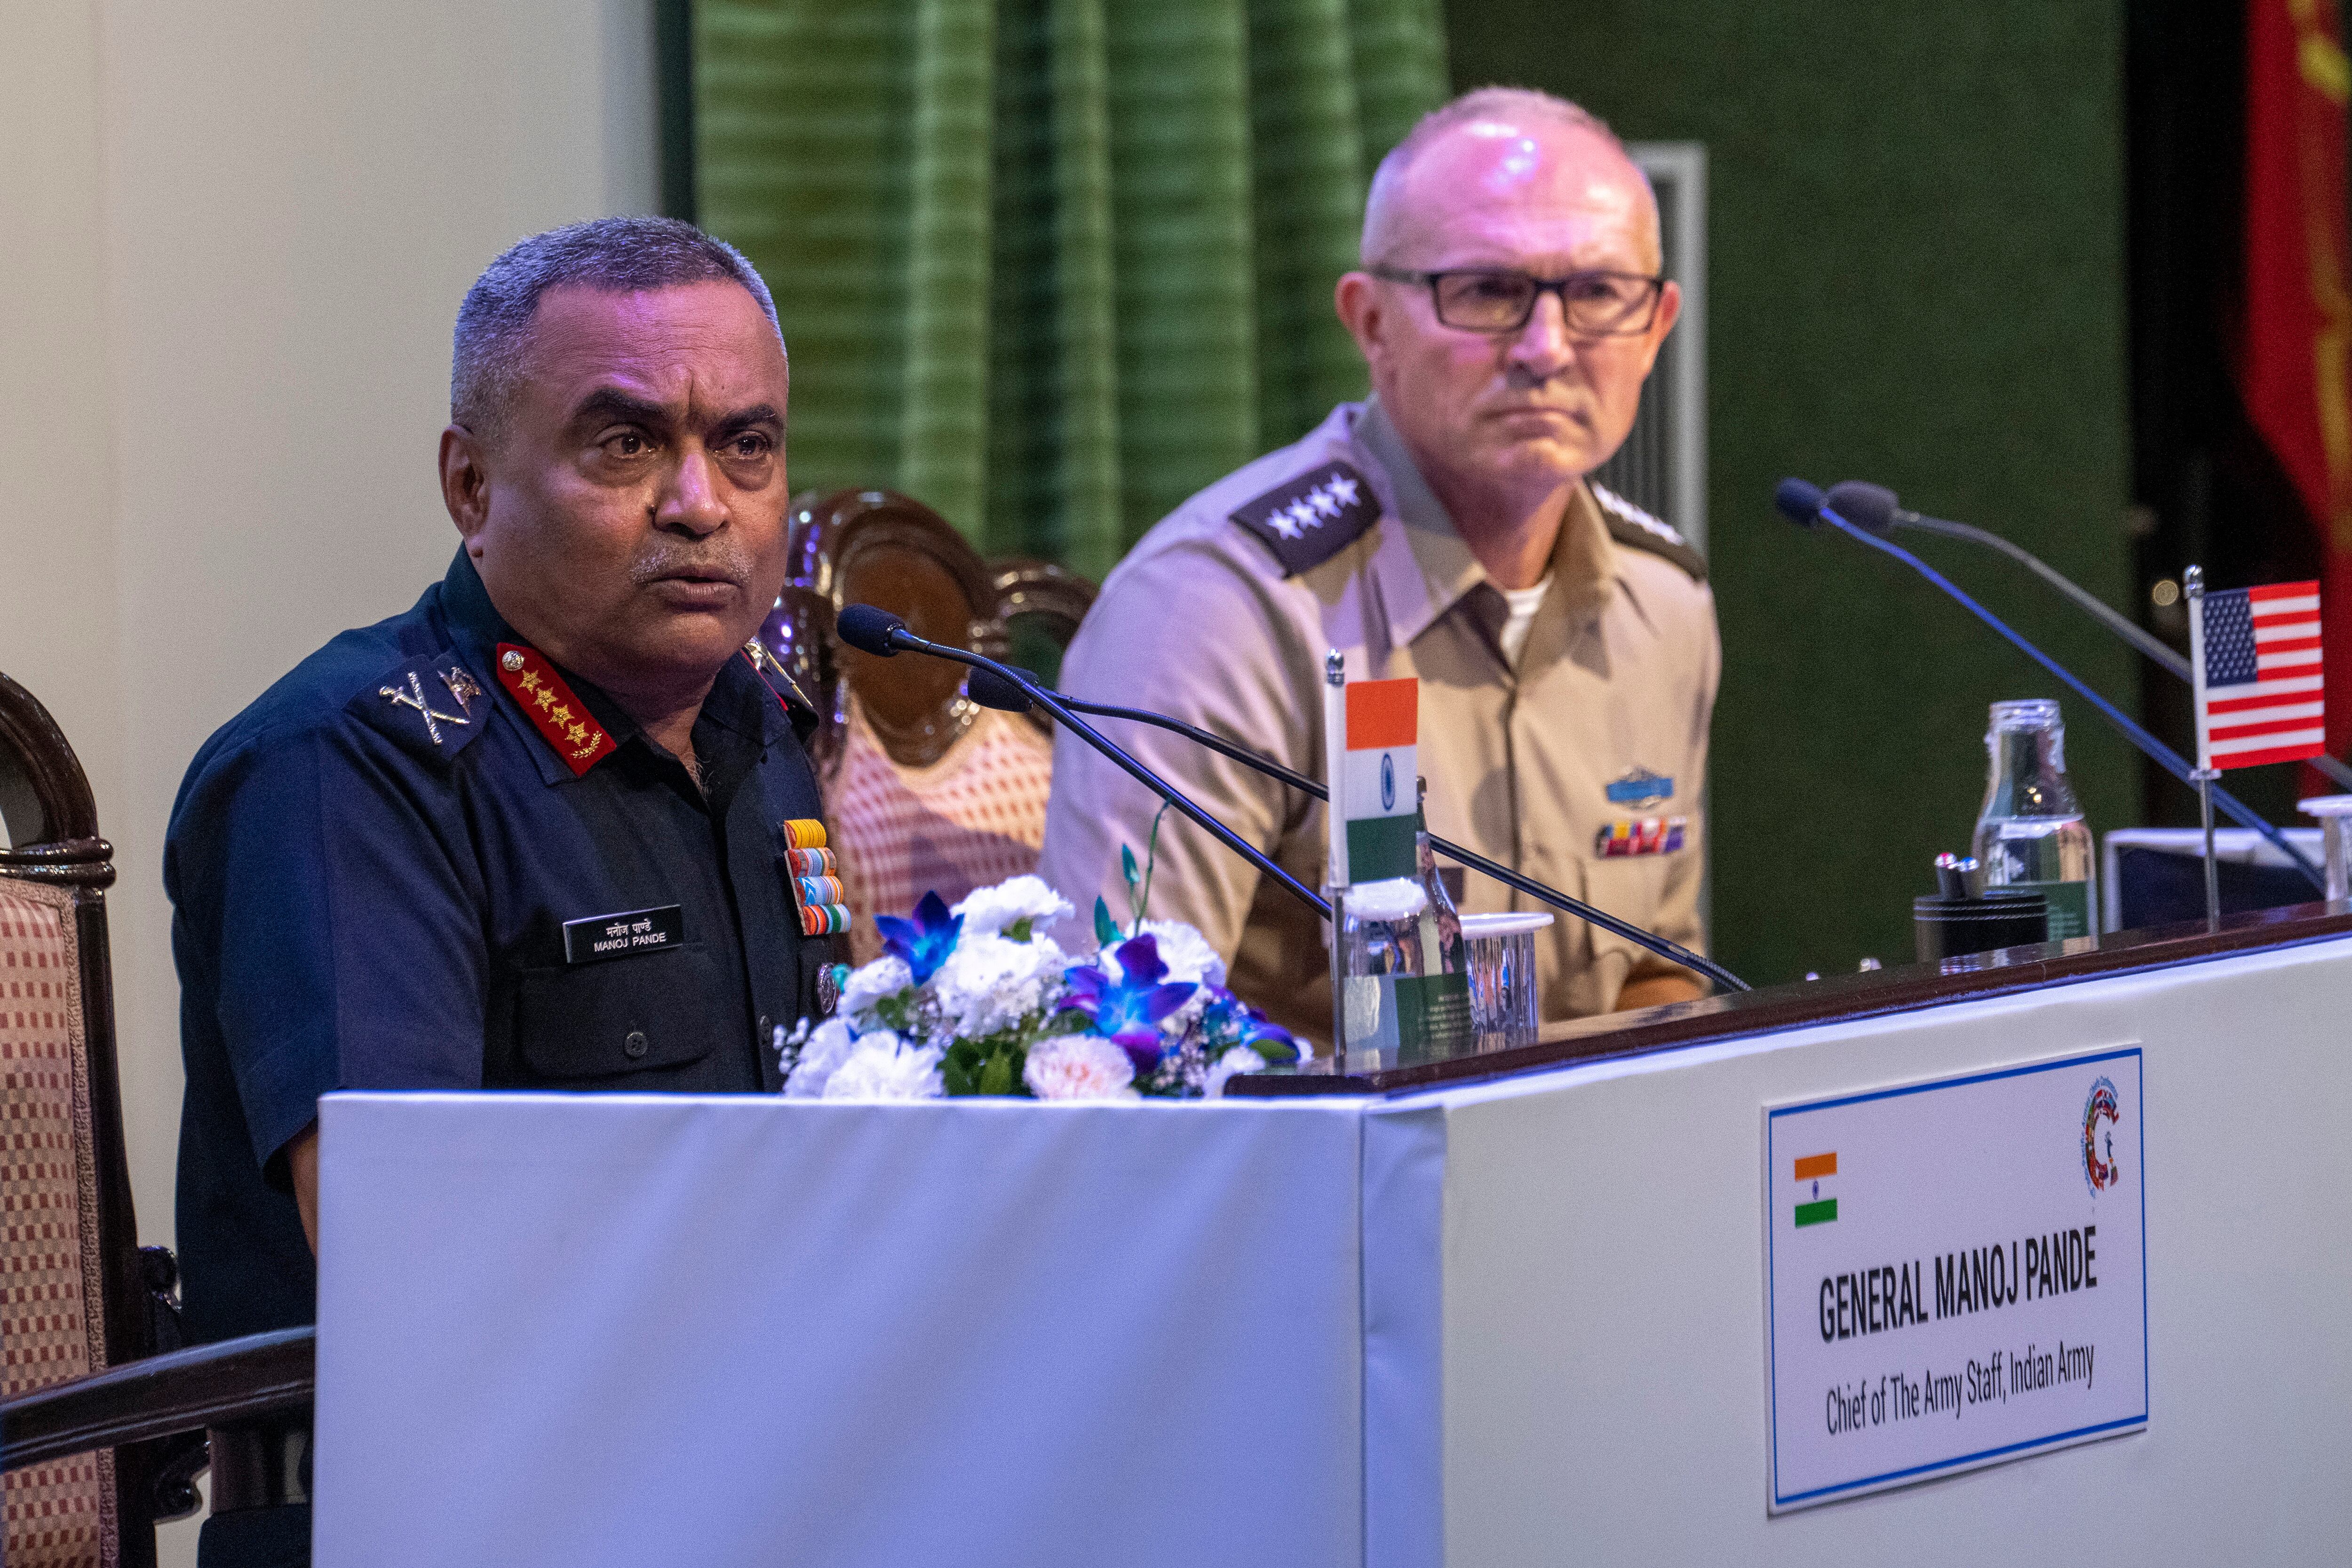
<point x="602" y="936"/>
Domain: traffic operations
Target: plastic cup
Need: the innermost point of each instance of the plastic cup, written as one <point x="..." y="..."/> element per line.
<point x="1501" y="952"/>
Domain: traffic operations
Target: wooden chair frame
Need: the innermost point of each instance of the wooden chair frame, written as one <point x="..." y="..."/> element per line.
<point x="155" y="1402"/>
<point x="830" y="531"/>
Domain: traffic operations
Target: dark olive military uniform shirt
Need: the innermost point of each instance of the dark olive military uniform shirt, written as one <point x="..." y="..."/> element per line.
<point x="368" y="895"/>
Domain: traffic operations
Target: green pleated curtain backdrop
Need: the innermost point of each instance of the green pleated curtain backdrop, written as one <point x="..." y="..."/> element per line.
<point x="1050" y="265"/>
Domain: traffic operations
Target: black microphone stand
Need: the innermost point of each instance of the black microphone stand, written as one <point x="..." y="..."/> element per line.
<point x="1671" y="951"/>
<point x="880" y="632"/>
<point x="1802" y="503"/>
<point x="1853" y="501"/>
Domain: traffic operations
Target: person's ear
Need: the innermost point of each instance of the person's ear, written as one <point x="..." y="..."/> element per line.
<point x="1670" y="309"/>
<point x="1359" y="301"/>
<point x="465" y="482"/>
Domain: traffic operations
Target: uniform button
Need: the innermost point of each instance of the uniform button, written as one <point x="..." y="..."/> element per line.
<point x="635" y="1045"/>
<point x="766" y="1029"/>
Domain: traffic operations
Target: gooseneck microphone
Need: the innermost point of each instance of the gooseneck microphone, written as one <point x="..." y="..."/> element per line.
<point x="1875" y="509"/>
<point x="877" y="632"/>
<point x="991" y="689"/>
<point x="1804" y="504"/>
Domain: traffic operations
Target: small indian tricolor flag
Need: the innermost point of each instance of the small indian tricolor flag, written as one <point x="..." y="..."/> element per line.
<point x="1813" y="1206"/>
<point x="1374" y="775"/>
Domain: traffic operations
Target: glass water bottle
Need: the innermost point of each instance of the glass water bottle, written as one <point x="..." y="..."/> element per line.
<point x="2031" y="835"/>
<point x="1406" y="973"/>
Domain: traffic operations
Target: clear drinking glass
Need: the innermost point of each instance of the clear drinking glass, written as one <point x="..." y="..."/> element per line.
<point x="1502" y="954"/>
<point x="2030" y="834"/>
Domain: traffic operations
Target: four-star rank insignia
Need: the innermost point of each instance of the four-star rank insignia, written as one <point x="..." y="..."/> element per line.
<point x="1310" y="518"/>
<point x="558" y="716"/>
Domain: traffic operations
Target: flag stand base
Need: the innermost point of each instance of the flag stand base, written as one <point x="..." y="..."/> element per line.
<point x="2204" y="778"/>
<point x="1338" y="927"/>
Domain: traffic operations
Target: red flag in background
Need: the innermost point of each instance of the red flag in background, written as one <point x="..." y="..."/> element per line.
<point x="2295" y="365"/>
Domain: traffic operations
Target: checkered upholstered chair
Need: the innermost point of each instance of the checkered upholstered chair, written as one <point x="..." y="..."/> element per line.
<point x="102" y="1416"/>
<point x="924" y="788"/>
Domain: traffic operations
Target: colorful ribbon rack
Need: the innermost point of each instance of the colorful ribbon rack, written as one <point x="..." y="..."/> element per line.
<point x="817" y="881"/>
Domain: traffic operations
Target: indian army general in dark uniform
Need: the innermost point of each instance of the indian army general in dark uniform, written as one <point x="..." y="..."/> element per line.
<point x="551" y="828"/>
<point x="396" y="870"/>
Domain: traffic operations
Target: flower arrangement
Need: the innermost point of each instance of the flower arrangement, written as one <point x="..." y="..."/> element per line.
<point x="978" y="999"/>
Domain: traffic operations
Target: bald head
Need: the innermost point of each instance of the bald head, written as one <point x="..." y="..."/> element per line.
<point x="1504" y="189"/>
<point x="1502" y="151"/>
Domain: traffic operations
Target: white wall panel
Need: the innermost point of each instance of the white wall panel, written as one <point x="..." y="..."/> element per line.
<point x="233" y="238"/>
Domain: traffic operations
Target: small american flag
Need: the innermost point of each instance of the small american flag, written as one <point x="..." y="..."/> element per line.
<point x="2255" y="655"/>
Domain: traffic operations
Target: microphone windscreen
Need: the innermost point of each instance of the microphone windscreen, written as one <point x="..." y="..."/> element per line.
<point x="1868" y="506"/>
<point x="1799" y="502"/>
<point x="868" y="629"/>
<point x="990" y="689"/>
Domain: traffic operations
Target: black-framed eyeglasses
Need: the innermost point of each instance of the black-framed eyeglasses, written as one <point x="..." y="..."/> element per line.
<point x="1498" y="299"/>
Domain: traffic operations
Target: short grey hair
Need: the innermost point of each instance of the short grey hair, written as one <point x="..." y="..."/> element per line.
<point x="1382" y="219"/>
<point x="611" y="255"/>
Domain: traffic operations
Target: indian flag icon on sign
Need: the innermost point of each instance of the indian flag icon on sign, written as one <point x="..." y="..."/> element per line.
<point x="1814" y="1206"/>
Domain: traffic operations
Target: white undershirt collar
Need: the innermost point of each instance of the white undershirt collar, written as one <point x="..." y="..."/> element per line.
<point x="1524" y="603"/>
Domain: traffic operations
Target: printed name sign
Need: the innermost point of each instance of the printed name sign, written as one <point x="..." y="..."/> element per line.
<point x="1955" y="1274"/>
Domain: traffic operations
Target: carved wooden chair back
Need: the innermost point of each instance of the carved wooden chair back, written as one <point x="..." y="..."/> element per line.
<point x="73" y="1300"/>
<point x="926" y="790"/>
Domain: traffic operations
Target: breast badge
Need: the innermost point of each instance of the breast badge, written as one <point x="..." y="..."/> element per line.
<point x="815" y="880"/>
<point x="1639" y="789"/>
<point x="1642" y="836"/>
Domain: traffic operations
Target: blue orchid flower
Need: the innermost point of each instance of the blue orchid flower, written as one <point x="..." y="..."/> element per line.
<point x="924" y="941"/>
<point x="1229" y="1021"/>
<point x="1128" y="1010"/>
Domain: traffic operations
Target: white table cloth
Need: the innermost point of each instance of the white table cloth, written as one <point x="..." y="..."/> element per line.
<point x="1517" y="1321"/>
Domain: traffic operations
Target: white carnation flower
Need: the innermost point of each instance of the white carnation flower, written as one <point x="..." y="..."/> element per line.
<point x="1240" y="1059"/>
<point x="989" y="910"/>
<point x="884" y="1067"/>
<point x="1079" y="1067"/>
<point x="989" y="983"/>
<point x="828" y="1047"/>
<point x="870" y="983"/>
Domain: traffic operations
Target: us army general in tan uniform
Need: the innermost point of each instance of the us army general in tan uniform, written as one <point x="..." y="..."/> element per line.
<point x="1509" y="309"/>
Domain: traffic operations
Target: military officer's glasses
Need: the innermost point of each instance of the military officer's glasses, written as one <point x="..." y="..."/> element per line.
<point x="1493" y="300"/>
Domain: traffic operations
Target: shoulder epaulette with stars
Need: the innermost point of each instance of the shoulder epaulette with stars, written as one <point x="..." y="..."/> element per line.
<point x="1308" y="520"/>
<point x="559" y="716"/>
<point x="1629" y="524"/>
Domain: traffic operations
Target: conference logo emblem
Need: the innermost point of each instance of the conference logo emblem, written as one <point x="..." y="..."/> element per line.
<point x="2100" y="1168"/>
<point x="1812" y="1207"/>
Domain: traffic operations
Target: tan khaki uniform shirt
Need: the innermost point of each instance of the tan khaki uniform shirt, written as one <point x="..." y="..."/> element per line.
<point x="1597" y="739"/>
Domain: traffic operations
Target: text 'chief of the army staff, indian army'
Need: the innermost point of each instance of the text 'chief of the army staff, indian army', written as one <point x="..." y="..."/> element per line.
<point x="533" y="832"/>
<point x="1509" y="306"/>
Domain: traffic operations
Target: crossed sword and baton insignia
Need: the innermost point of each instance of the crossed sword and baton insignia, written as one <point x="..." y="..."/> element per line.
<point x="461" y="687"/>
